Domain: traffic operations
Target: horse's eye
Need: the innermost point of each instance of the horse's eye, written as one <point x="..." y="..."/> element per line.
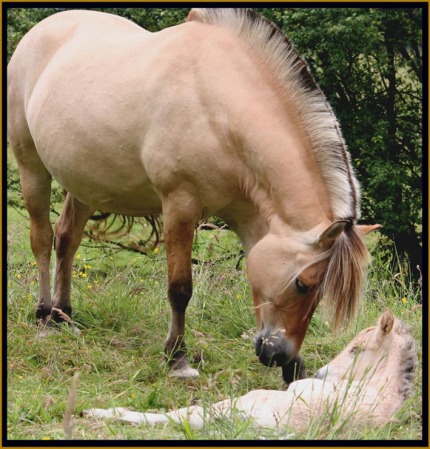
<point x="354" y="349"/>
<point x="302" y="288"/>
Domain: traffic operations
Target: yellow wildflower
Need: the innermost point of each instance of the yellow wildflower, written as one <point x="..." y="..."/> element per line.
<point x="156" y="250"/>
<point x="404" y="300"/>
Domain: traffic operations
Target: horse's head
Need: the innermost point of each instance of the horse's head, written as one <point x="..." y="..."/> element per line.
<point x="368" y="348"/>
<point x="386" y="349"/>
<point x="289" y="276"/>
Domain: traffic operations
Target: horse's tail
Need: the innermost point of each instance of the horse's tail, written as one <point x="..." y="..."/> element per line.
<point x="106" y="226"/>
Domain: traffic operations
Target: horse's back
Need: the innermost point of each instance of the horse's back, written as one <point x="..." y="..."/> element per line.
<point x="38" y="49"/>
<point x="43" y="41"/>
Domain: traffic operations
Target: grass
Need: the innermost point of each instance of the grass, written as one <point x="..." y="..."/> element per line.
<point x="119" y="301"/>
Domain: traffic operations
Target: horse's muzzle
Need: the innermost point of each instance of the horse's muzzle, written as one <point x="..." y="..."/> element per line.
<point x="273" y="349"/>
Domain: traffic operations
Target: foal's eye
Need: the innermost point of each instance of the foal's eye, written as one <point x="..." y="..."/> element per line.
<point x="354" y="350"/>
<point x="302" y="288"/>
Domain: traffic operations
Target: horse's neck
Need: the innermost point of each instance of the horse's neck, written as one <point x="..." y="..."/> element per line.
<point x="388" y="382"/>
<point x="378" y="393"/>
<point x="284" y="188"/>
<point x="281" y="175"/>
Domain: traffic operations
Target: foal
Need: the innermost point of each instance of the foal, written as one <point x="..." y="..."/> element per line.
<point x="365" y="384"/>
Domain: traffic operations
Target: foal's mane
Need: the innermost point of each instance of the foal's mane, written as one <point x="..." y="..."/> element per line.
<point x="299" y="86"/>
<point x="347" y="257"/>
<point x="408" y="364"/>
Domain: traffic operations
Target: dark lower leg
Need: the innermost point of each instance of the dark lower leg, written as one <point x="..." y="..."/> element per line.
<point x="180" y="212"/>
<point x="175" y="347"/>
<point x="41" y="236"/>
<point x="68" y="236"/>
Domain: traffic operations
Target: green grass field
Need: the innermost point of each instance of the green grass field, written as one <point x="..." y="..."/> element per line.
<point x="120" y="305"/>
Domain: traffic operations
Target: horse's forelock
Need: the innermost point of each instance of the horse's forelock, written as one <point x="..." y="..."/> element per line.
<point x="345" y="277"/>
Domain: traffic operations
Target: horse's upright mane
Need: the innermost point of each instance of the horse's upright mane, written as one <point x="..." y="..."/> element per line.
<point x="344" y="277"/>
<point x="300" y="88"/>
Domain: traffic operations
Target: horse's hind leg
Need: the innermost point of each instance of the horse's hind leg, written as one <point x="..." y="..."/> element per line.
<point x="36" y="189"/>
<point x="68" y="235"/>
<point x="180" y="215"/>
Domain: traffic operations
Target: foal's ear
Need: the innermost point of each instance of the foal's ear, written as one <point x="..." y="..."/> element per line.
<point x="386" y="322"/>
<point x="328" y="236"/>
<point x="365" y="229"/>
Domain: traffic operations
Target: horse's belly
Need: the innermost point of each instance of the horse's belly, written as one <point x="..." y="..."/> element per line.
<point x="132" y="195"/>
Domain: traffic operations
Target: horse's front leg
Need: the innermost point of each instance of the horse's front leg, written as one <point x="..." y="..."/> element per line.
<point x="180" y="214"/>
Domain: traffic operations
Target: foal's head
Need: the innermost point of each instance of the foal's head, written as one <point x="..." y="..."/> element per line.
<point x="289" y="276"/>
<point x="379" y="355"/>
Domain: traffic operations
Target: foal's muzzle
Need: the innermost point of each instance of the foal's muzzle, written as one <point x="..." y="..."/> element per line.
<point x="273" y="349"/>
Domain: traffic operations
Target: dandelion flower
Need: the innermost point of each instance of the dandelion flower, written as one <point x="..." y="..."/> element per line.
<point x="18" y="276"/>
<point x="404" y="300"/>
<point x="156" y="250"/>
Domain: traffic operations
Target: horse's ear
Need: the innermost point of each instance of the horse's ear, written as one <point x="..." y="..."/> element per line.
<point x="365" y="229"/>
<point x="386" y="322"/>
<point x="328" y="236"/>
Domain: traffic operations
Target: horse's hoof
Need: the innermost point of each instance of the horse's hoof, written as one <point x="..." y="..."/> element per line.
<point x="186" y="372"/>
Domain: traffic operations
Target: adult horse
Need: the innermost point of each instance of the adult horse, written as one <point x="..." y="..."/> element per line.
<point x="218" y="115"/>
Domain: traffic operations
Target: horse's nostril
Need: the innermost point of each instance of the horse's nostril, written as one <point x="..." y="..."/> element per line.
<point x="272" y="350"/>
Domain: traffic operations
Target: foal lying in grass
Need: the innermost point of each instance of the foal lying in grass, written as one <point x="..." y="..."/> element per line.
<point x="366" y="383"/>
